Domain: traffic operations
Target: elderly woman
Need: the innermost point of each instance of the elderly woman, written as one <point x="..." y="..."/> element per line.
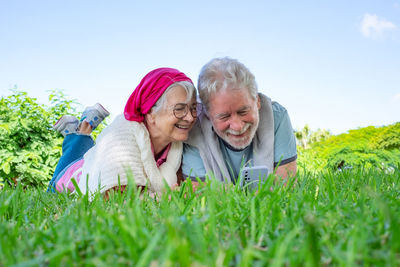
<point x="145" y="142"/>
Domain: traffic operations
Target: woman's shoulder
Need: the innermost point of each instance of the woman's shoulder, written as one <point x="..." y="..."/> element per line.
<point x="120" y="125"/>
<point x="121" y="134"/>
<point x="121" y="121"/>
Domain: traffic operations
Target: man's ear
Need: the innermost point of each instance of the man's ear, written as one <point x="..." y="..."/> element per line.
<point x="258" y="102"/>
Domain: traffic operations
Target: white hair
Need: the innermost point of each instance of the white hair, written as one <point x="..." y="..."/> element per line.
<point x="223" y="73"/>
<point x="189" y="88"/>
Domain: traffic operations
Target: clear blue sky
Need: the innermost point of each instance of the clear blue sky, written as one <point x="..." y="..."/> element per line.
<point x="333" y="64"/>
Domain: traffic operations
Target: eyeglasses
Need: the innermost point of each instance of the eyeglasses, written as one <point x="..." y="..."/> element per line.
<point x="181" y="110"/>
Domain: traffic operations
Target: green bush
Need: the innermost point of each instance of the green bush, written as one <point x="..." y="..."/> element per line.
<point x="29" y="149"/>
<point x="389" y="138"/>
<point x="369" y="147"/>
<point x="347" y="157"/>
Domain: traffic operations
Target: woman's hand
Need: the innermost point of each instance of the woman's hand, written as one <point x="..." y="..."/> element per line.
<point x="195" y="185"/>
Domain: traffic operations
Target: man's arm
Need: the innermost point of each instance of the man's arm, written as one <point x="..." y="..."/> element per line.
<point x="192" y="164"/>
<point x="285" y="143"/>
<point x="287" y="170"/>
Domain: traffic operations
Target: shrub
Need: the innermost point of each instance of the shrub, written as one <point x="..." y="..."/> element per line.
<point x="29" y="149"/>
<point x="369" y="147"/>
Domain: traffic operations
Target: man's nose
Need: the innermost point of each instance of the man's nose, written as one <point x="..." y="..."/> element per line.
<point x="236" y="124"/>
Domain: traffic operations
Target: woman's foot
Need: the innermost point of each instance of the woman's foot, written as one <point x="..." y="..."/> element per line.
<point x="91" y="118"/>
<point x="67" y="124"/>
<point x="94" y="115"/>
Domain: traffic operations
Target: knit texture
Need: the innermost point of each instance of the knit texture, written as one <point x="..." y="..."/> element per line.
<point x="124" y="148"/>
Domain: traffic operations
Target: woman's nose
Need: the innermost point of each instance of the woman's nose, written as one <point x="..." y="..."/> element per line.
<point x="189" y="117"/>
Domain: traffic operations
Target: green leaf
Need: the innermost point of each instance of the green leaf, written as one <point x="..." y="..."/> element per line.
<point x="6" y="167"/>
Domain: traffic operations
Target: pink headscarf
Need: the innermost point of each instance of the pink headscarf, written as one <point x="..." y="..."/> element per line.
<point x="149" y="90"/>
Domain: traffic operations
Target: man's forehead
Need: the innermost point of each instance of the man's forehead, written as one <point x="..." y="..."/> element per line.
<point x="229" y="91"/>
<point x="229" y="95"/>
<point x="228" y="102"/>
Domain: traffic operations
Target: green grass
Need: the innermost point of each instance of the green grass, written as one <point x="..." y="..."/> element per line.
<point x="331" y="219"/>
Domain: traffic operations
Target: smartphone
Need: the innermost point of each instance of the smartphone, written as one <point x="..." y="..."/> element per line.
<point x="252" y="176"/>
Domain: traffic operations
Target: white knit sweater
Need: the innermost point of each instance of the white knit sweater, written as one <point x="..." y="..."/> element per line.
<point x="124" y="148"/>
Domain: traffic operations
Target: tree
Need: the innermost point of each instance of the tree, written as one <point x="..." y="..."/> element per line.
<point x="306" y="137"/>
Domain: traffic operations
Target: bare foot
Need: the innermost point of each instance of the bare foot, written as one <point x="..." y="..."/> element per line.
<point x="85" y="128"/>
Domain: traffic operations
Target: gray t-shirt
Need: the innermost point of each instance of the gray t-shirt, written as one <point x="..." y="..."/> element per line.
<point x="284" y="149"/>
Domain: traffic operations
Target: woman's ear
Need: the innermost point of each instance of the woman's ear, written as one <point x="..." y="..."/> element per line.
<point x="258" y="102"/>
<point x="149" y="118"/>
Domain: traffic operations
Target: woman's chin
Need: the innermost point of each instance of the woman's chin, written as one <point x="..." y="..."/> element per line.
<point x="181" y="137"/>
<point x="181" y="134"/>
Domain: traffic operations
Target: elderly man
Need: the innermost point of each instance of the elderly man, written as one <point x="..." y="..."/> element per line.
<point x="238" y="127"/>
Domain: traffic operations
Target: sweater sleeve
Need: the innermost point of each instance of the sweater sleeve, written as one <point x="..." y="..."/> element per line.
<point x="113" y="160"/>
<point x="123" y="151"/>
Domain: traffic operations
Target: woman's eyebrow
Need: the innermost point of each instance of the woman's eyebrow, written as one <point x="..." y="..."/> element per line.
<point x="173" y="105"/>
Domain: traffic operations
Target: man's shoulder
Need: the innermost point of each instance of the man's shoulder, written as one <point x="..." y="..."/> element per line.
<point x="280" y="113"/>
<point x="278" y="108"/>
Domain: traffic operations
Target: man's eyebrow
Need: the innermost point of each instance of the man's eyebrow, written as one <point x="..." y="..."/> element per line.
<point x="220" y="115"/>
<point x="244" y="108"/>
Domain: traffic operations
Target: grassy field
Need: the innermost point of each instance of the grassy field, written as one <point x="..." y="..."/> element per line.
<point x="344" y="218"/>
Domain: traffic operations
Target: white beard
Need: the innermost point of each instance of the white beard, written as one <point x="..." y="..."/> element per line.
<point x="243" y="142"/>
